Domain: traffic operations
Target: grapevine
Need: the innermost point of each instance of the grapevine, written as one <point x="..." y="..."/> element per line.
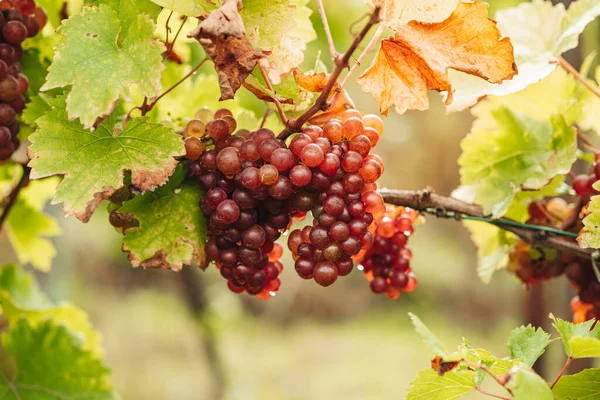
<point x="213" y="144"/>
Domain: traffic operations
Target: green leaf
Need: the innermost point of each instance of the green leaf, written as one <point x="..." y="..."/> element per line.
<point x="527" y="385"/>
<point x="284" y="37"/>
<point x="432" y="341"/>
<point x="510" y="152"/>
<point x="100" y="61"/>
<point x="590" y="234"/>
<point x="49" y="363"/>
<point x="20" y="297"/>
<point x="584" y="385"/>
<point x="527" y="344"/>
<point x="203" y="91"/>
<point x="35" y="109"/>
<point x="191" y="8"/>
<point x="428" y="385"/>
<point x="499" y="366"/>
<point x="28" y="228"/>
<point x="579" y="340"/>
<point x="172" y="227"/>
<point x="128" y="10"/>
<point x="93" y="163"/>
<point x="539" y="32"/>
<point x="493" y="247"/>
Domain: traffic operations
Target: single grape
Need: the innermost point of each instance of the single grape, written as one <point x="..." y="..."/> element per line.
<point x="14" y="32"/>
<point x="193" y="148"/>
<point x="325" y="273"/>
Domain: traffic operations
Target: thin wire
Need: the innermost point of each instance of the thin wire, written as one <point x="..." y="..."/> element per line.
<point x="498" y="222"/>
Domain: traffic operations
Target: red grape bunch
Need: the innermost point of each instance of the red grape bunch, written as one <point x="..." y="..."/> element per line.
<point x="256" y="184"/>
<point x="338" y="175"/>
<point x="19" y="20"/>
<point x="532" y="265"/>
<point x="386" y="265"/>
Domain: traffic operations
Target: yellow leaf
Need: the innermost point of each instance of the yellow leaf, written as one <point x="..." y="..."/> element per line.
<point x="395" y="13"/>
<point x="417" y="58"/>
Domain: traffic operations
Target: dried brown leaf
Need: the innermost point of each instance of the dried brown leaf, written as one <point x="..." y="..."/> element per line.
<point x="222" y="35"/>
<point x="416" y="59"/>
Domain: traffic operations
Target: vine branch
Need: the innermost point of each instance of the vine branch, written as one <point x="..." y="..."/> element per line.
<point x="11" y="199"/>
<point x="427" y="201"/>
<point x="270" y="87"/>
<point x="562" y="372"/>
<point x="332" y="49"/>
<point x="342" y="61"/>
<point x="570" y="69"/>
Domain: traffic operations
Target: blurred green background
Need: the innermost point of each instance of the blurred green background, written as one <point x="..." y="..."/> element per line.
<point x="184" y="336"/>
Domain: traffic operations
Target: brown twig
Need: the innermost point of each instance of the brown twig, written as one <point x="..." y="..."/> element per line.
<point x="562" y="372"/>
<point x="480" y="390"/>
<point x="11" y="199"/>
<point x="170" y="46"/>
<point x="426" y="200"/>
<point x="270" y="87"/>
<point x="359" y="61"/>
<point x="147" y="107"/>
<point x="570" y="69"/>
<point x="332" y="49"/>
<point x="264" y="119"/>
<point x="341" y="62"/>
<point x="167" y="30"/>
<point x="586" y="140"/>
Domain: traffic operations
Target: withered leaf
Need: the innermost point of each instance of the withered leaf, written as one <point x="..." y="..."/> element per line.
<point x="416" y="59"/>
<point x="264" y="95"/>
<point x="222" y="35"/>
<point x="313" y="82"/>
<point x="441" y="367"/>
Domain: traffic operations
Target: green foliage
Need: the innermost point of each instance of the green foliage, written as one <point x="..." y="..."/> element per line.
<point x="428" y="385"/>
<point x="42" y="365"/>
<point x="525" y="384"/>
<point x="590" y="234"/>
<point x="579" y="340"/>
<point x="284" y="37"/>
<point x="28" y="227"/>
<point x="172" y="228"/>
<point x="584" y="385"/>
<point x="93" y="163"/>
<point x="96" y="44"/>
<point x="20" y="297"/>
<point x="512" y="151"/>
<point x="528" y="344"/>
<point x="192" y="8"/>
<point x="430" y="340"/>
<point x="514" y="373"/>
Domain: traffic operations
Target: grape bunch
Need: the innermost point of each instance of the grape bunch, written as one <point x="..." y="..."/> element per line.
<point x="19" y="20"/>
<point x="256" y="185"/>
<point x="386" y="265"/>
<point x="532" y="265"/>
<point x="336" y="180"/>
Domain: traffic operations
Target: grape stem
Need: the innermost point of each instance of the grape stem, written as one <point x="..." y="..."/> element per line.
<point x="265" y="76"/>
<point x="11" y="199"/>
<point x="342" y="61"/>
<point x="447" y="207"/>
<point x="147" y="107"/>
<point x="480" y="390"/>
<point x="570" y="69"/>
<point x="358" y="62"/>
<point x="562" y="372"/>
<point x="332" y="49"/>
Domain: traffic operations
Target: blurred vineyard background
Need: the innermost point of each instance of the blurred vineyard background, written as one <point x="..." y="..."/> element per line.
<point x="171" y="336"/>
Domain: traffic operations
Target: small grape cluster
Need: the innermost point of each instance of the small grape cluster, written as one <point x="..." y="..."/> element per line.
<point x="586" y="305"/>
<point x="533" y="265"/>
<point x="387" y="264"/>
<point x="338" y="174"/>
<point x="19" y="19"/>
